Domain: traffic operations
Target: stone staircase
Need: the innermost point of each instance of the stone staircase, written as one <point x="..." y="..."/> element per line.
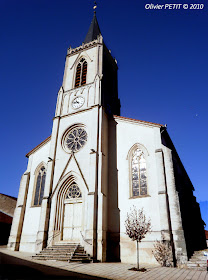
<point x="71" y="252"/>
<point x="198" y="260"/>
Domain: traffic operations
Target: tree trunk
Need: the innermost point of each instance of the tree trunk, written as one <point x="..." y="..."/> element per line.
<point x="137" y="254"/>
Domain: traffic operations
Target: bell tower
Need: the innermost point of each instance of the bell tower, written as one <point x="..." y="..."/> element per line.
<point x="78" y="155"/>
<point x="90" y="76"/>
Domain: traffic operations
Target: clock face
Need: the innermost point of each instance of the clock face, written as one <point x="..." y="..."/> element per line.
<point x="77" y="102"/>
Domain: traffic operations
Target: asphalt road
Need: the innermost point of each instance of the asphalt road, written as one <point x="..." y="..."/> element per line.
<point x="12" y="268"/>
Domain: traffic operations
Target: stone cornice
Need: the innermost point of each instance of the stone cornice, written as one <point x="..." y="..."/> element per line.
<point x="92" y="44"/>
<point x="129" y="120"/>
<point x="78" y="112"/>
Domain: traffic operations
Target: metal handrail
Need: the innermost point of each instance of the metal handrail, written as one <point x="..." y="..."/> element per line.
<point x="85" y="239"/>
<point x="50" y="238"/>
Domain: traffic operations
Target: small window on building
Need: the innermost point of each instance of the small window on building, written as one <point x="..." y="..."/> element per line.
<point x="138" y="174"/>
<point x="81" y="73"/>
<point x="40" y="185"/>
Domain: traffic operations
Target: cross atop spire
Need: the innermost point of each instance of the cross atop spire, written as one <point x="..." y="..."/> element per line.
<point x="94" y="29"/>
<point x="95" y="7"/>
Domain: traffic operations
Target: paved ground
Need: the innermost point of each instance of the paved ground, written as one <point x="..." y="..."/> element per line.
<point x="16" y="265"/>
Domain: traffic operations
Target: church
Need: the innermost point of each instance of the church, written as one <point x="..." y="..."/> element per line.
<point x="81" y="181"/>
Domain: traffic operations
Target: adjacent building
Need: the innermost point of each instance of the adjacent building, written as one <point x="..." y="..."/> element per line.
<point x="7" y="207"/>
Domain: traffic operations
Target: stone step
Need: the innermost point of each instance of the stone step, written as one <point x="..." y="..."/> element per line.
<point x="81" y="260"/>
<point x="80" y="251"/>
<point x="198" y="262"/>
<point x="58" y="250"/>
<point x="66" y="243"/>
<point x="199" y="254"/>
<point x="64" y="251"/>
<point x="61" y="247"/>
<point x="52" y="259"/>
<point x="79" y="257"/>
<point x="202" y="258"/>
<point x="54" y="254"/>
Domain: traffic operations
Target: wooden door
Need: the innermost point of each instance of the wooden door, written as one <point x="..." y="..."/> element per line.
<point x="72" y="220"/>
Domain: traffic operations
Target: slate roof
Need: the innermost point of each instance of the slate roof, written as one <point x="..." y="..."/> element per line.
<point x="93" y="31"/>
<point x="7" y="204"/>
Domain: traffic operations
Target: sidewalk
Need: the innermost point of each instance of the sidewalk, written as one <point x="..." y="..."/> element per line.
<point x="117" y="271"/>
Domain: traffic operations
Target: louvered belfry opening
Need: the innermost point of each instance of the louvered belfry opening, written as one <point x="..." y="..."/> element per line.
<point x="84" y="73"/>
<point x="77" y="81"/>
<point x="81" y="73"/>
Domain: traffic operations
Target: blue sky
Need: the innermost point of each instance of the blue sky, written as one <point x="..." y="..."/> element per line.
<point x="162" y="58"/>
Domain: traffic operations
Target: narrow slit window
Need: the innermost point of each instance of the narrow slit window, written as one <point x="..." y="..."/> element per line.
<point x="138" y="174"/>
<point x="40" y="185"/>
<point x="81" y="73"/>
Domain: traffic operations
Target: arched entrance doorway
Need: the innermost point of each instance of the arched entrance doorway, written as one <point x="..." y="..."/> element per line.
<point x="72" y="222"/>
<point x="69" y="214"/>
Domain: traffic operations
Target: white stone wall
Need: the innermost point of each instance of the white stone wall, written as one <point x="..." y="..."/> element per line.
<point x="85" y="159"/>
<point x="32" y="213"/>
<point x="130" y="133"/>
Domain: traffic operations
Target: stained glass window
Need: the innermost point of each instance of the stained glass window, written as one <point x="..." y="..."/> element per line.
<point x="76" y="139"/>
<point x="40" y="185"/>
<point x="74" y="191"/>
<point x="138" y="173"/>
<point x="81" y="73"/>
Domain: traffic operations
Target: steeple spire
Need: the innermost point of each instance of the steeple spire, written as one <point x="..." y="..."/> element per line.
<point x="94" y="29"/>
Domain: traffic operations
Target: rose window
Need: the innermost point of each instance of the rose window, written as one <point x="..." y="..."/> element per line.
<point x="74" y="192"/>
<point x="76" y="139"/>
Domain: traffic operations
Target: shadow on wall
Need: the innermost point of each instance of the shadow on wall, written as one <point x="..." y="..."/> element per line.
<point x="5" y="226"/>
<point x="113" y="235"/>
<point x="7" y="207"/>
<point x="192" y="222"/>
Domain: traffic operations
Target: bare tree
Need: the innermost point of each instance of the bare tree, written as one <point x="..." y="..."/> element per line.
<point x="163" y="252"/>
<point x="137" y="227"/>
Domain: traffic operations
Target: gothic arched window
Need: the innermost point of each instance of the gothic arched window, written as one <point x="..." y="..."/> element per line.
<point x="40" y="185"/>
<point x="81" y="73"/>
<point x="138" y="173"/>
